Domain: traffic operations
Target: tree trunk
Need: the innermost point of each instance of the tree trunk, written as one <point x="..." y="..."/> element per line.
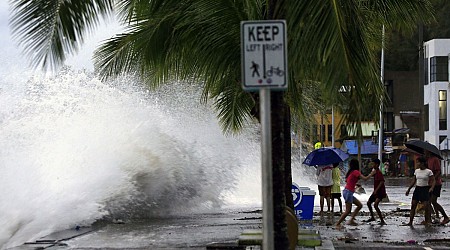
<point x="278" y="170"/>
<point x="287" y="157"/>
<point x="281" y="153"/>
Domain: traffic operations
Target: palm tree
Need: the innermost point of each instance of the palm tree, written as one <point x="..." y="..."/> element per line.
<point x="331" y="42"/>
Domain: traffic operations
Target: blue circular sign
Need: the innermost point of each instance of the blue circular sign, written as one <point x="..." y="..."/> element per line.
<point x="296" y="194"/>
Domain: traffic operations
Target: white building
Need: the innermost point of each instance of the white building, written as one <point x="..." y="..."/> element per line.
<point x="436" y="89"/>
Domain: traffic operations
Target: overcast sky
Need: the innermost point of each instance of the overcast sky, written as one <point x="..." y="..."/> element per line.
<point x="10" y="55"/>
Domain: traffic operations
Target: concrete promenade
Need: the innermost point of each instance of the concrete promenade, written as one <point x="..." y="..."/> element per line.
<point x="390" y="236"/>
<point x="222" y="230"/>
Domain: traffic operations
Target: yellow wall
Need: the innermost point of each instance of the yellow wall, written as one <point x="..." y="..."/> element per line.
<point x="367" y="127"/>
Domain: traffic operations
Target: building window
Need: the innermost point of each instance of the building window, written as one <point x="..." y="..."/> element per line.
<point x="442" y="138"/>
<point x="322" y="133"/>
<point x="426" y="122"/>
<point x="344" y="132"/>
<point x="389" y="86"/>
<point x="442" y="110"/>
<point x="439" y="68"/>
<point x="425" y="73"/>
<point x="314" y="134"/>
<point x="330" y="132"/>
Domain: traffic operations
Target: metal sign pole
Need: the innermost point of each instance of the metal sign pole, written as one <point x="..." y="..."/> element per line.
<point x="380" y="131"/>
<point x="264" y="68"/>
<point x="266" y="162"/>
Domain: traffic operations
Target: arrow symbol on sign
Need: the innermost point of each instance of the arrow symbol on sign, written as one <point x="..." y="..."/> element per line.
<point x="264" y="62"/>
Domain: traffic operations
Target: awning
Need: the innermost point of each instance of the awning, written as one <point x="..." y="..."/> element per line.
<point x="368" y="147"/>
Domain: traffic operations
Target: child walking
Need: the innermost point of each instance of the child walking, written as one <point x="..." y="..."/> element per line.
<point x="352" y="177"/>
<point x="379" y="192"/>
<point x="336" y="188"/>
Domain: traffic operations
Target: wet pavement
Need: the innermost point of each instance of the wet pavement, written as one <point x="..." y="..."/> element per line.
<point x="200" y="231"/>
<point x="393" y="235"/>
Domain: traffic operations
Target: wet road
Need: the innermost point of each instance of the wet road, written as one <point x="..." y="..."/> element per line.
<point x="194" y="231"/>
<point x="396" y="212"/>
<point x="201" y="230"/>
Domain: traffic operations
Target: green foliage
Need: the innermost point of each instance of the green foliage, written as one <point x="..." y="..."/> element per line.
<point x="403" y="45"/>
<point x="332" y="43"/>
<point x="48" y="30"/>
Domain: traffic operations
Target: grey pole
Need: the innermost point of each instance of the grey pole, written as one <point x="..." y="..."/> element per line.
<point x="332" y="126"/>
<point x="380" y="131"/>
<point x="266" y="162"/>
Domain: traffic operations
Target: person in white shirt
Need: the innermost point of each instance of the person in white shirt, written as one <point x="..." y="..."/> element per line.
<point x="324" y="182"/>
<point x="422" y="177"/>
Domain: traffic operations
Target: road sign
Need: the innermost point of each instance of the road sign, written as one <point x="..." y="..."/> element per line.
<point x="296" y="194"/>
<point x="264" y="54"/>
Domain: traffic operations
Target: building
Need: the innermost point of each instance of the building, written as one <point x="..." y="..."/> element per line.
<point x="404" y="104"/>
<point x="417" y="106"/>
<point x="436" y="87"/>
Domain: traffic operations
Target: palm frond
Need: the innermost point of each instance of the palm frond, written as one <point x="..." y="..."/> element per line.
<point x="233" y="106"/>
<point x="196" y="40"/>
<point x="49" y="30"/>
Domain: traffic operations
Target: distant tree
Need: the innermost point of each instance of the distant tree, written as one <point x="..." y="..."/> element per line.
<point x="440" y="27"/>
<point x="402" y="45"/>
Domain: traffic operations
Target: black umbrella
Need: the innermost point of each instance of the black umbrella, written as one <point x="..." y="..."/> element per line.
<point x="420" y="146"/>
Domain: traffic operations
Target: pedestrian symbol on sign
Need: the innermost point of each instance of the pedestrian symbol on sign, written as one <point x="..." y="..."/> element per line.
<point x="255" y="68"/>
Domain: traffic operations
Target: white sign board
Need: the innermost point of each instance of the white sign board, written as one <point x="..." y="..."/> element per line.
<point x="264" y="54"/>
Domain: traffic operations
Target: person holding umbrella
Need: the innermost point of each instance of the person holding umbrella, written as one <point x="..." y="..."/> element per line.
<point x="432" y="157"/>
<point x="323" y="158"/>
<point x="434" y="165"/>
<point x="352" y="177"/>
<point x="324" y="182"/>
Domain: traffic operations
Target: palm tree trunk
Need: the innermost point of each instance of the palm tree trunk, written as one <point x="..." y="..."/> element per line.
<point x="287" y="157"/>
<point x="278" y="170"/>
<point x="281" y="153"/>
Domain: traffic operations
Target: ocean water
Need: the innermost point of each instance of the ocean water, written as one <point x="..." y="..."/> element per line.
<point x="74" y="150"/>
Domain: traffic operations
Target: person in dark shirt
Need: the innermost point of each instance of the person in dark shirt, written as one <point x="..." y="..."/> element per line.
<point x="379" y="192"/>
<point x="434" y="164"/>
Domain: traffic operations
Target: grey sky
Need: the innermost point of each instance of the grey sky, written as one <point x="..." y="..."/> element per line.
<point x="10" y="55"/>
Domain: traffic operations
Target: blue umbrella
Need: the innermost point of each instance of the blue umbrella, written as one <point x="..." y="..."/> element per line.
<point x="325" y="156"/>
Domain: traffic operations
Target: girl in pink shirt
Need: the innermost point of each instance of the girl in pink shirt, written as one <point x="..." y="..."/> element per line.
<point x="352" y="177"/>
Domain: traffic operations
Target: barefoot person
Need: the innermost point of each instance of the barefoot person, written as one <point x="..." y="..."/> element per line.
<point x="435" y="165"/>
<point x="336" y="188"/>
<point x="352" y="177"/>
<point x="379" y="192"/>
<point x="324" y="183"/>
<point x="422" y="177"/>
